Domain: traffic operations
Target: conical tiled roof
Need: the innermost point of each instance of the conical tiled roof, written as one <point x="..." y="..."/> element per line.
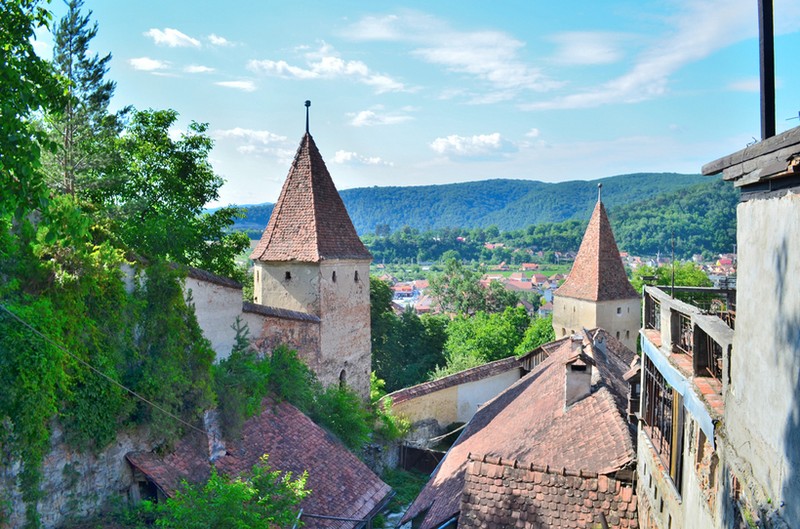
<point x="309" y="222"/>
<point x="598" y="274"/>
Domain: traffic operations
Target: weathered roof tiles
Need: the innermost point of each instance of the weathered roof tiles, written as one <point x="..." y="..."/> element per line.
<point x="309" y="222"/>
<point x="598" y="273"/>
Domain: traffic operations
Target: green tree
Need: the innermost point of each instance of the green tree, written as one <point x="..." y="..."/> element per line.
<point x="540" y="332"/>
<point x="156" y="195"/>
<point x="27" y="85"/>
<point x="83" y="129"/>
<point x="457" y="289"/>
<point x="687" y="274"/>
<point x="472" y="341"/>
<point x="264" y="498"/>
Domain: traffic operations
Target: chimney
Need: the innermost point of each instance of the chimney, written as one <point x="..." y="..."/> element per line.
<point x="578" y="383"/>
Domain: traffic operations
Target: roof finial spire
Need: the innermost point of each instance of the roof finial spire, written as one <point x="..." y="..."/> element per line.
<point x="308" y="104"/>
<point x="599" y="188"/>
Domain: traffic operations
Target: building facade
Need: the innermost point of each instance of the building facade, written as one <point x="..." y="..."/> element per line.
<point x="719" y="435"/>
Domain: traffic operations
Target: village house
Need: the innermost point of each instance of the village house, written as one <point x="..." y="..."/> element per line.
<point x="552" y="450"/>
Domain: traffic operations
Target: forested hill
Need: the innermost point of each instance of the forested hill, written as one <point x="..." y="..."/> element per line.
<point x="507" y="204"/>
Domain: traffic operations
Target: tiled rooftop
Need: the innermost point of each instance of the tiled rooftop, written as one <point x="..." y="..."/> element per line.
<point x="504" y="494"/>
<point x="529" y="422"/>
<point x="598" y="273"/>
<point x="309" y="222"/>
<point x="341" y="484"/>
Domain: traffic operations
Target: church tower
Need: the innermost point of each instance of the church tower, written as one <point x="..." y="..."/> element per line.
<point x="597" y="292"/>
<point x="310" y="260"/>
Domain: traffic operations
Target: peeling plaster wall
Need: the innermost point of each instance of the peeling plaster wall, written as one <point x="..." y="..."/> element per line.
<point x="269" y="332"/>
<point x="622" y="318"/>
<point x="762" y="416"/>
<point x="571" y="315"/>
<point x="345" y="339"/>
<point x="216" y="308"/>
<point x="301" y="292"/>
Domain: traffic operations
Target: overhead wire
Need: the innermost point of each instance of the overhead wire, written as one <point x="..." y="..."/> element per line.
<point x="98" y="372"/>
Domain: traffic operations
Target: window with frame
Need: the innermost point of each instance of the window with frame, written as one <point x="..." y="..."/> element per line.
<point x="664" y="418"/>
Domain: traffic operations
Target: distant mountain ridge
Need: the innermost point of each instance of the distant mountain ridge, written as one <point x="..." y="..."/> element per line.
<point x="508" y="204"/>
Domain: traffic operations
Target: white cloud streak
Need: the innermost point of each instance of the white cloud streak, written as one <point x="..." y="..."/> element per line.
<point x="588" y="47"/>
<point x="245" y="86"/>
<point x="198" y="68"/>
<point x="216" y="40"/>
<point x="172" y="37"/>
<point x="492" y="57"/>
<point x="352" y="158"/>
<point x="701" y="28"/>
<point x="325" y="63"/>
<point x="370" y="118"/>
<point x="478" y="146"/>
<point x="146" y="64"/>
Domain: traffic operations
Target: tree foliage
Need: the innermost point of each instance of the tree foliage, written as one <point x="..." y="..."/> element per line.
<point x="27" y="85"/>
<point x="405" y="347"/>
<point x="686" y="274"/>
<point x="481" y="338"/>
<point x="538" y="333"/>
<point x="263" y="498"/>
<point x="155" y="197"/>
<point x="82" y="128"/>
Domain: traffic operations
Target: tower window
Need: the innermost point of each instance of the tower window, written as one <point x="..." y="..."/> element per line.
<point x="627" y="335"/>
<point x="619" y="310"/>
<point x="288" y="276"/>
<point x="333" y="276"/>
<point x="342" y="379"/>
<point x="617" y="335"/>
<point x="355" y="276"/>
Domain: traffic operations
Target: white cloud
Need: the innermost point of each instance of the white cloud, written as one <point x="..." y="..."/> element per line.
<point x="482" y="145"/>
<point x="746" y="85"/>
<point x="533" y="133"/>
<point x="368" y="118"/>
<point x="172" y="38"/>
<point x="197" y="68"/>
<point x="263" y="137"/>
<point x="723" y="23"/>
<point x="146" y="64"/>
<point x="588" y="47"/>
<point x="325" y="63"/>
<point x="216" y="40"/>
<point x="246" y="86"/>
<point x="493" y="57"/>
<point x="352" y="158"/>
<point x="258" y="143"/>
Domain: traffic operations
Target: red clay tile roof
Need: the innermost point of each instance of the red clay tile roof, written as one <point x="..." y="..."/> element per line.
<point x="341" y="484"/>
<point x="309" y="222"/>
<point x="528" y="422"/>
<point x="598" y="273"/>
<point x="530" y="495"/>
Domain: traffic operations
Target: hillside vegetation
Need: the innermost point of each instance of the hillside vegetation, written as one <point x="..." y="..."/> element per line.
<point x="646" y="212"/>
<point x="507" y="204"/>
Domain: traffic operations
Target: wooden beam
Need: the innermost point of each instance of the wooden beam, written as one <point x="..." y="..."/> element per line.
<point x="789" y="140"/>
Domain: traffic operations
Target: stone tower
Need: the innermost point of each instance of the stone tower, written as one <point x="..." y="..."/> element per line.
<point x="597" y="292"/>
<point x="310" y="260"/>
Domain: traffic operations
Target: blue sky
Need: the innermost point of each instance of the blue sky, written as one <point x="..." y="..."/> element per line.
<point x="410" y="93"/>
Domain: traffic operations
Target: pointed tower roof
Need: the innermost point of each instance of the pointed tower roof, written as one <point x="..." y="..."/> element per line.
<point x="309" y="222"/>
<point x="598" y="274"/>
